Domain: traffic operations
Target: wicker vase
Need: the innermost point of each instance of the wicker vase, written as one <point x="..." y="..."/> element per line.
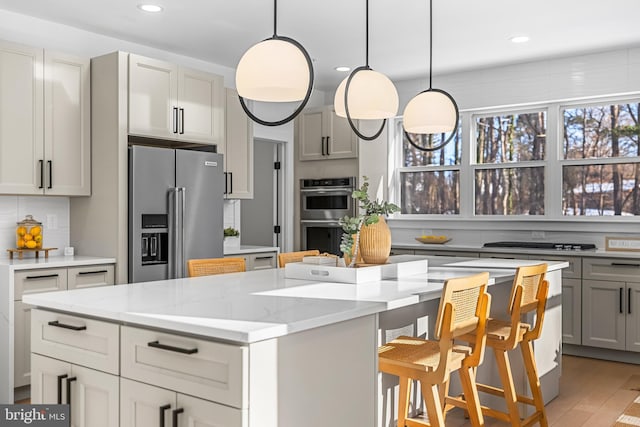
<point x="375" y="242"/>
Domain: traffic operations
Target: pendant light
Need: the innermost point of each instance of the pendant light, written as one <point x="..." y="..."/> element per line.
<point x="277" y="69"/>
<point x="366" y="94"/>
<point x="432" y="111"/>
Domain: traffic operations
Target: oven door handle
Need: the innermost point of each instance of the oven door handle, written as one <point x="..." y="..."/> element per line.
<point x="341" y="192"/>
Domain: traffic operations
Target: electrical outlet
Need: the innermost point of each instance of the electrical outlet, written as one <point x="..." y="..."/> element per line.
<point x="537" y="235"/>
<point x="52" y="222"/>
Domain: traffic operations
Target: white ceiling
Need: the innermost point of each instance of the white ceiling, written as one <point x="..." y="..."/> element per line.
<point x="467" y="33"/>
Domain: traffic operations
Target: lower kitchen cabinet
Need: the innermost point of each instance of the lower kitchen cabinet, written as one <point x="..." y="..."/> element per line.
<point x="571" y="311"/>
<point x="257" y="260"/>
<point x="144" y="405"/>
<point x="611" y="304"/>
<point x="93" y="396"/>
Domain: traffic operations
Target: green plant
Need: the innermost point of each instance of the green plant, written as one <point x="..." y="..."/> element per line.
<point x="352" y="225"/>
<point x="231" y="232"/>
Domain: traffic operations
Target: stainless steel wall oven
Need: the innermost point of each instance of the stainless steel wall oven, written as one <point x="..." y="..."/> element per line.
<point x="322" y="203"/>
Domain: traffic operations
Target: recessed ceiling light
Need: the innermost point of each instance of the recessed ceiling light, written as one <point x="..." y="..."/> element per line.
<point x="342" y="69"/>
<point x="150" y="8"/>
<point x="519" y="39"/>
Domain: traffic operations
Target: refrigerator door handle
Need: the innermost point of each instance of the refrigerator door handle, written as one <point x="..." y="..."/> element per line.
<point x="181" y="199"/>
<point x="172" y="204"/>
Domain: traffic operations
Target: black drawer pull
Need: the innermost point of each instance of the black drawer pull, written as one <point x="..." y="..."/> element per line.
<point x="156" y="344"/>
<point x="624" y="264"/>
<point x="83" y="273"/>
<point x="60" y="378"/>
<point x="65" y="326"/>
<point x="162" y="409"/>
<point x="174" y="416"/>
<point x="44" y="276"/>
<point x="264" y="257"/>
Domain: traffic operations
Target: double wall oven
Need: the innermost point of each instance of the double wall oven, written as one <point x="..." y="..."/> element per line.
<point x="322" y="203"/>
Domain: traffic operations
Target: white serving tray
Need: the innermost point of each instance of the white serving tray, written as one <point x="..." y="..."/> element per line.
<point x="372" y="273"/>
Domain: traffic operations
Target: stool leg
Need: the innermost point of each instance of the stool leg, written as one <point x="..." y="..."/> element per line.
<point x="444" y="392"/>
<point x="432" y="400"/>
<point x="534" y="382"/>
<point x="504" y="368"/>
<point x="403" y="400"/>
<point x="468" y="380"/>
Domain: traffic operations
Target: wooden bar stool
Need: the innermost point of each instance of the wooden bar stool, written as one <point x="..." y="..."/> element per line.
<point x="529" y="293"/>
<point x="464" y="308"/>
<point x="211" y="266"/>
<point x="287" y="257"/>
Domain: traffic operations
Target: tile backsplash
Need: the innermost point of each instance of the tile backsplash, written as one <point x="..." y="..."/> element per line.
<point x="52" y="212"/>
<point x="232" y="214"/>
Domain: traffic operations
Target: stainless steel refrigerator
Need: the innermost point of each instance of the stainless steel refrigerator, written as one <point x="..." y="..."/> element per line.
<point x="175" y="210"/>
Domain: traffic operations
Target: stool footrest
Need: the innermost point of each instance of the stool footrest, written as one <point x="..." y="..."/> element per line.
<point x="500" y="392"/>
<point x="416" y="422"/>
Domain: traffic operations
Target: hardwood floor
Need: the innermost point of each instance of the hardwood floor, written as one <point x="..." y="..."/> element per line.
<point x="592" y="393"/>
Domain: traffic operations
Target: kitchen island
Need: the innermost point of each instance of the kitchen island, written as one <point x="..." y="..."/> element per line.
<point x="250" y="349"/>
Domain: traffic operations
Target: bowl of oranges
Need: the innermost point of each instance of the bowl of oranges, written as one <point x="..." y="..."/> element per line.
<point x="29" y="234"/>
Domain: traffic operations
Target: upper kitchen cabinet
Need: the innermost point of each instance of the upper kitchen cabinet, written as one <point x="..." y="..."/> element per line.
<point x="323" y="135"/>
<point x="45" y="122"/>
<point x="237" y="150"/>
<point x="171" y="102"/>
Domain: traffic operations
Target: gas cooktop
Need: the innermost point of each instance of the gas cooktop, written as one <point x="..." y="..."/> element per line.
<point x="542" y="245"/>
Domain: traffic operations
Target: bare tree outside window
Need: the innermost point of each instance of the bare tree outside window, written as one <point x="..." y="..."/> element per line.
<point x="601" y="132"/>
<point x="511" y="140"/>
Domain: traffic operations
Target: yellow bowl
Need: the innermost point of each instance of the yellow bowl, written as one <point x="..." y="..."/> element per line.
<point x="433" y="239"/>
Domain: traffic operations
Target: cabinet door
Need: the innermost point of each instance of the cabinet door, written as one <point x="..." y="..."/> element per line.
<point x="39" y="280"/>
<point x="201" y="106"/>
<point x="95" y="400"/>
<point x="342" y="142"/>
<point x="67" y="143"/>
<point x="261" y="261"/>
<point x="142" y="405"/>
<point x="238" y="154"/>
<point x="153" y="98"/>
<point x="571" y="311"/>
<point x="202" y="413"/>
<point x="310" y="133"/>
<point x="22" y="344"/>
<point x="90" y="276"/>
<point x="603" y="314"/>
<point x="21" y="119"/>
<point x="633" y="317"/>
<point x="47" y="382"/>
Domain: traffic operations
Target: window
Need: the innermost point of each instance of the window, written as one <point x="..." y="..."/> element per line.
<point x="430" y="181"/>
<point x="600" y="167"/>
<point x="512" y="144"/>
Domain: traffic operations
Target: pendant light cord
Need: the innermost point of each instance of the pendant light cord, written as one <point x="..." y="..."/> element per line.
<point x="366" y="43"/>
<point x="430" y="42"/>
<point x="275" y="18"/>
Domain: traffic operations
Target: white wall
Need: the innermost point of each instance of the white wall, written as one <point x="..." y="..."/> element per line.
<point x="598" y="74"/>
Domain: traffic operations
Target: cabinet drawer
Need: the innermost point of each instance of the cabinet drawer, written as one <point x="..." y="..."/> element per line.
<point x="261" y="261"/>
<point x="574" y="271"/>
<point x="611" y="269"/>
<point x="86" y="342"/>
<point x="89" y="276"/>
<point x="210" y="370"/>
<point x="40" y="280"/>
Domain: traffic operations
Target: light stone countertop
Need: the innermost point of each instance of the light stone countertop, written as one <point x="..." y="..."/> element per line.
<point x="53" y="262"/>
<point x="249" y="249"/>
<point x="259" y="305"/>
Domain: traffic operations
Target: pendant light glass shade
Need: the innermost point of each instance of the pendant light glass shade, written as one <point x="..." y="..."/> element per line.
<point x="372" y="96"/>
<point x="430" y="112"/>
<point x="273" y="71"/>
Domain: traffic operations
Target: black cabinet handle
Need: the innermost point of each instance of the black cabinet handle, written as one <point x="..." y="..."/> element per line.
<point x="621" y="296"/>
<point x="60" y="378"/>
<point x="181" y="121"/>
<point x="225" y="183"/>
<point x="629" y="300"/>
<point x="231" y="182"/>
<point x="69" y="381"/>
<point x="175" y="119"/>
<point x="322" y="145"/>
<point x="264" y="257"/>
<point x="41" y="162"/>
<point x="328" y="146"/>
<point x="163" y="408"/>
<point x="156" y="344"/>
<point x="43" y="276"/>
<point x="174" y="416"/>
<point x="65" y="326"/>
<point x="50" y="166"/>
<point x="624" y="264"/>
<point x="84" y="273"/>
